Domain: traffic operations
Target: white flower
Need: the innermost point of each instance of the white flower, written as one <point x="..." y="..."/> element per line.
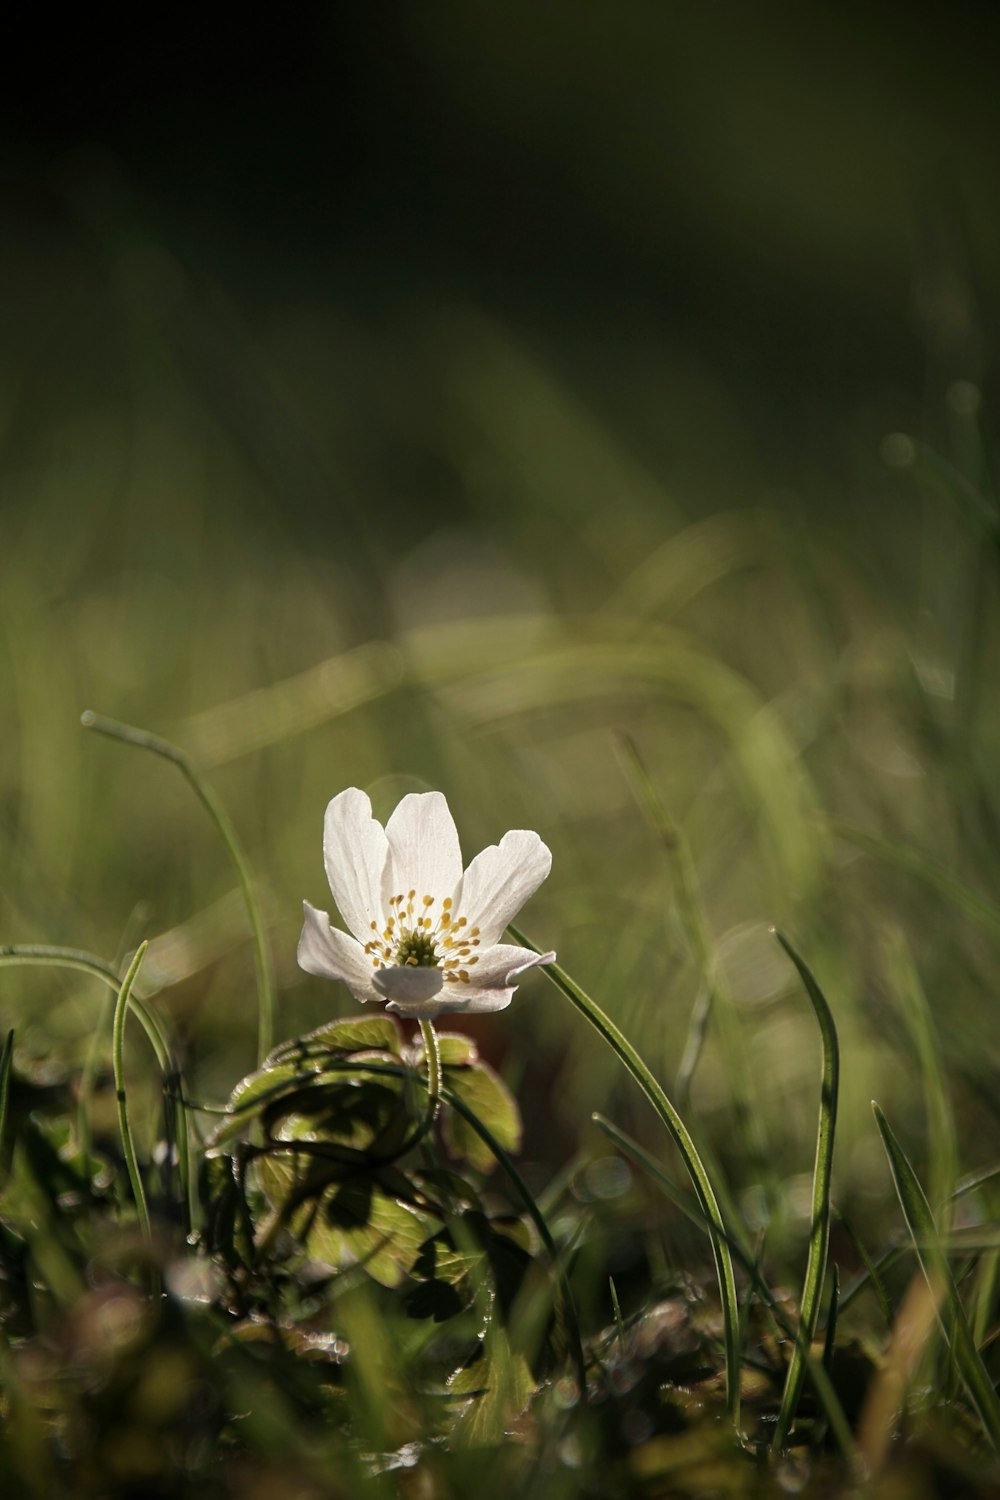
<point x="422" y="936"/>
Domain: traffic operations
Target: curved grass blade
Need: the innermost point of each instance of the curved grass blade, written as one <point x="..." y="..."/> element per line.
<point x="77" y="959"/>
<point x="33" y="954"/>
<point x="834" y="1412"/>
<point x="819" y="1233"/>
<point x="227" y="832"/>
<point x="682" y="1138"/>
<point x="89" y="963"/>
<point x="118" y="1063"/>
<point x="933" y="1263"/>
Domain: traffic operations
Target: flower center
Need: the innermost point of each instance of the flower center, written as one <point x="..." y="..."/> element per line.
<point x="414" y="937"/>
<point x="417" y="948"/>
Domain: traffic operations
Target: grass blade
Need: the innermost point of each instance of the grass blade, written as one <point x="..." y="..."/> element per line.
<point x="685" y="1144"/>
<point x="227" y="832"/>
<point x="819" y="1233"/>
<point x="920" y="1222"/>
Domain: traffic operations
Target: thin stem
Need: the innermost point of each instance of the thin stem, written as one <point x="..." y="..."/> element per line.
<point x="685" y="1144"/>
<point x="432" y="1052"/>
<point x="118" y="1063"/>
<point x="217" y="812"/>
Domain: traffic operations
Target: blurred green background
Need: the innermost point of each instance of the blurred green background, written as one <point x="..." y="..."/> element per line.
<point x="429" y="395"/>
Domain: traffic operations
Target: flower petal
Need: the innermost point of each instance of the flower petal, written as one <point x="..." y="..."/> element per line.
<point x="503" y="963"/>
<point x="408" y="984"/>
<point x="500" y="879"/>
<point x="330" y="953"/>
<point x="489" y="987"/>
<point x="426" y="857"/>
<point x="454" y="999"/>
<point x="356" y="855"/>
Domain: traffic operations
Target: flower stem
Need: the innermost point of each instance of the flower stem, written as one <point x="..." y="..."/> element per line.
<point x="218" y="814"/>
<point x="432" y="1052"/>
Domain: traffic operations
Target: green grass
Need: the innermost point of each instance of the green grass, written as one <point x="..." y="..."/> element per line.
<point x="275" y="1248"/>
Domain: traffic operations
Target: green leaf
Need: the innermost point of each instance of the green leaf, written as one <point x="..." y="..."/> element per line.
<point x="472" y="1250"/>
<point x="920" y="1222"/>
<point x="355" y="1223"/>
<point x="298" y="1087"/>
<point x="368" y="1033"/>
<point x="485" y="1093"/>
<point x="226" y="1230"/>
<point x="499" y="1383"/>
<point x="457" y="1050"/>
<point x="250" y="1096"/>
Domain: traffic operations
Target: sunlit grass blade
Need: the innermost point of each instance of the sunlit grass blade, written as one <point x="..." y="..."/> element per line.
<point x="828" y="1398"/>
<point x="684" y="1142"/>
<point x="819" y="1232"/>
<point x="923" y="1230"/>
<point x="6" y="1060"/>
<point x="118" y="1064"/>
<point x="217" y="812"/>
